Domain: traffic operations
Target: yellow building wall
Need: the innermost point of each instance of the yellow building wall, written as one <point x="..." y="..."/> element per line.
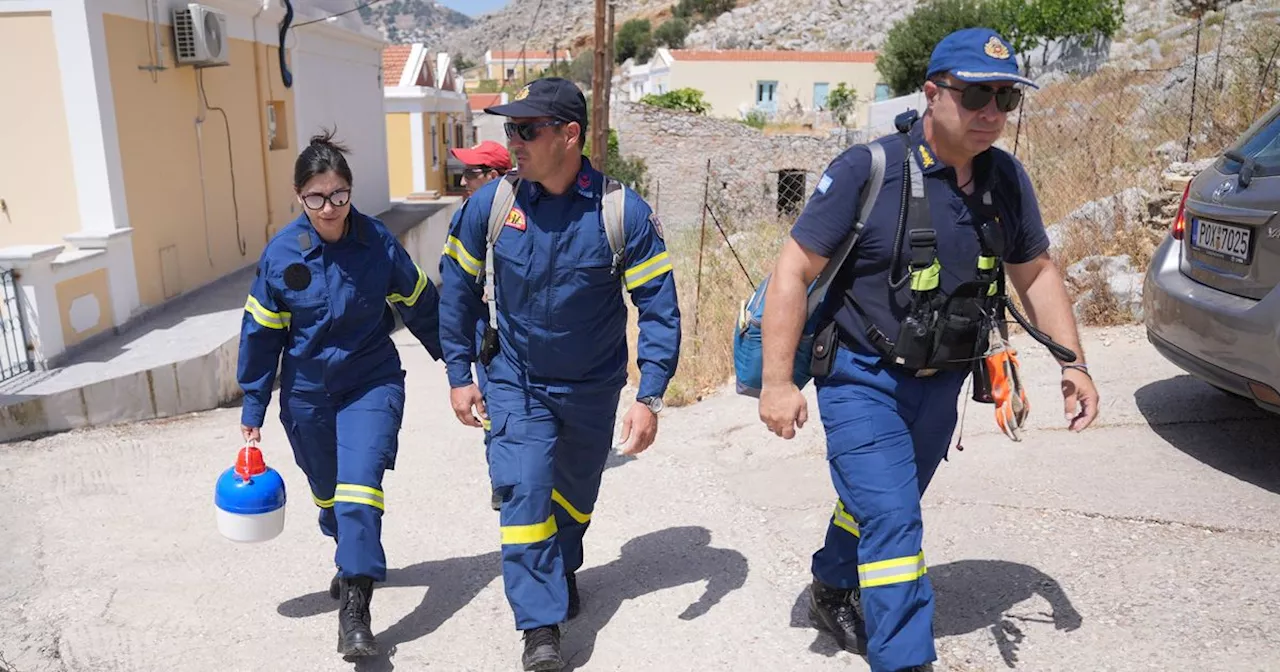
<point x="728" y="84"/>
<point x="496" y="70"/>
<point x="178" y="174"/>
<point x="399" y="154"/>
<point x="95" y="283"/>
<point x="37" y="181"/>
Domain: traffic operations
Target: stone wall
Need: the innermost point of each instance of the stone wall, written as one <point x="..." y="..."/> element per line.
<point x="744" y="162"/>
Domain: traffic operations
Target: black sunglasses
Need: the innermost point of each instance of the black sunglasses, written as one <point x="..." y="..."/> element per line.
<point x="974" y="97"/>
<point x="337" y="199"/>
<point x="476" y="172"/>
<point x="527" y="130"/>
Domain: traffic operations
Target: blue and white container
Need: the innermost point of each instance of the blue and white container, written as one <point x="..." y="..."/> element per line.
<point x="250" y="499"/>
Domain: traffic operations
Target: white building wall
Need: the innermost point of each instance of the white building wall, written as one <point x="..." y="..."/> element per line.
<point x="338" y="82"/>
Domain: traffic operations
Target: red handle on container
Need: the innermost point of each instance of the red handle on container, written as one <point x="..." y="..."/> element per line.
<point x="249" y="463"/>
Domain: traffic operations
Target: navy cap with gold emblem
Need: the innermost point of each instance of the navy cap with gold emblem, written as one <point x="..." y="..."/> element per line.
<point x="976" y="55"/>
<point x="553" y="97"/>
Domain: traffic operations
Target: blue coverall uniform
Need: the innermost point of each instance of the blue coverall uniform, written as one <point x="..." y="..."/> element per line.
<point x="553" y="390"/>
<point x="327" y="306"/>
<point x="888" y="429"/>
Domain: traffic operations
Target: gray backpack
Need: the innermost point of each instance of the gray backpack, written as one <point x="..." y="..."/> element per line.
<point x="504" y="200"/>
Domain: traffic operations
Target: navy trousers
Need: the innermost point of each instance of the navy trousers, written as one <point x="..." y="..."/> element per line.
<point x="887" y="431"/>
<point x="344" y="445"/>
<point x="547" y="452"/>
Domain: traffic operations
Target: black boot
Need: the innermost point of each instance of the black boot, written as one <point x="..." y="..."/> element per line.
<point x="542" y="649"/>
<point x="335" y="587"/>
<point x="575" y="602"/>
<point x="836" y="612"/>
<point x="355" y="638"/>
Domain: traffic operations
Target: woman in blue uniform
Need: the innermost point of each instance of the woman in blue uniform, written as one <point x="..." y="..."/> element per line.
<point x="322" y="296"/>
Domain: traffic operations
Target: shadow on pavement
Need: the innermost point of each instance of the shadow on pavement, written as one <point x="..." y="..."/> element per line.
<point x="1225" y="432"/>
<point x="452" y="584"/>
<point x="972" y="595"/>
<point x="656" y="561"/>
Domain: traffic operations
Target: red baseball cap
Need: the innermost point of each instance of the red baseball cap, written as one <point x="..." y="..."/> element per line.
<point x="487" y="153"/>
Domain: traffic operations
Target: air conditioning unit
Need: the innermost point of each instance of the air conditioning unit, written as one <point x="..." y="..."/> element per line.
<point x="200" y="36"/>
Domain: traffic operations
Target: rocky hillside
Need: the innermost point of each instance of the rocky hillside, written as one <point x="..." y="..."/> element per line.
<point x="414" y="20"/>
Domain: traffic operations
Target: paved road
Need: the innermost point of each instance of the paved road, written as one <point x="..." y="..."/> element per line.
<point x="1149" y="542"/>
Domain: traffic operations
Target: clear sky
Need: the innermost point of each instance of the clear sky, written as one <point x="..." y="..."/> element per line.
<point x="474" y="7"/>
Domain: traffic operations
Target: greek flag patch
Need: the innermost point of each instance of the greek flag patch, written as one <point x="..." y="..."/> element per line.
<point x="824" y="183"/>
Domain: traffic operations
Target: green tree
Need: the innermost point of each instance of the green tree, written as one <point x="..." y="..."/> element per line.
<point x="634" y="39"/>
<point x="904" y="58"/>
<point x="631" y="172"/>
<point x="583" y="67"/>
<point x="1028" y="25"/>
<point x="841" y="101"/>
<point x="672" y="33"/>
<point x="686" y="99"/>
<point x="462" y="62"/>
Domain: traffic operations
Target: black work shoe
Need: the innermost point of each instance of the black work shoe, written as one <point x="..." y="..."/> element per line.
<point x="542" y="649"/>
<point x="575" y="603"/>
<point x="355" y="638"/>
<point x="335" y="587"/>
<point x="836" y="612"/>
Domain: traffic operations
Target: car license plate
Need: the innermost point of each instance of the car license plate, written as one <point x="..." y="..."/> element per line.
<point x="1221" y="240"/>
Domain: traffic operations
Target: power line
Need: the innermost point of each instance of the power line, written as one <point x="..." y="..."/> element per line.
<point x="334" y="16"/>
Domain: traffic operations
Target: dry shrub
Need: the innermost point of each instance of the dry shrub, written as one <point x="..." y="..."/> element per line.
<point x="709" y="317"/>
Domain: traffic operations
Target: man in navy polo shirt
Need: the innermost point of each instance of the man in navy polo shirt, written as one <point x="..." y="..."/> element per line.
<point x="888" y="426"/>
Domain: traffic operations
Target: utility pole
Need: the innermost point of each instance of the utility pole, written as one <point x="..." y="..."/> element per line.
<point x="608" y="78"/>
<point x="599" y="136"/>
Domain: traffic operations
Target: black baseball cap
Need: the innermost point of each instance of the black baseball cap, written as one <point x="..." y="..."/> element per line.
<point x="553" y="97"/>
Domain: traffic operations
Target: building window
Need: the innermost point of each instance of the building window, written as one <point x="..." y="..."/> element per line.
<point x="511" y="73"/>
<point x="791" y="189"/>
<point x="435" y="143"/>
<point x="882" y="92"/>
<point x="766" y="96"/>
<point x="458" y="139"/>
<point x="820" y="95"/>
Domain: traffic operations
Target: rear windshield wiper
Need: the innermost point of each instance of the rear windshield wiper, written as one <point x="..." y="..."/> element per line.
<point x="1247" y="166"/>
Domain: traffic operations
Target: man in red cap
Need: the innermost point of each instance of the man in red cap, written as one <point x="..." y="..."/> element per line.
<point x="486" y="161"/>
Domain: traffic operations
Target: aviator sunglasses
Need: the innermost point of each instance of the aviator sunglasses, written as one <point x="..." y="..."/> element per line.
<point x="337" y="199"/>
<point x="527" y="130"/>
<point x="974" y="97"/>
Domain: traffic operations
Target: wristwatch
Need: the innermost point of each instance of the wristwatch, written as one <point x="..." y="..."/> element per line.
<point x="654" y="403"/>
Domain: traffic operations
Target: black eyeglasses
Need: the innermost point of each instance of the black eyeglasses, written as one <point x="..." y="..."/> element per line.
<point x="527" y="130"/>
<point x="476" y="172"/>
<point x="337" y="199"/>
<point x="974" y="97"/>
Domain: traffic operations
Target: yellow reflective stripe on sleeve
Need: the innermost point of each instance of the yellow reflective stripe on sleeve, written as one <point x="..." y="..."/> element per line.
<point x="417" y="290"/>
<point x="267" y="318"/>
<point x="529" y="534"/>
<point x="359" y="494"/>
<point x="644" y="272"/>
<point x="927" y="279"/>
<point x="322" y="503"/>
<point x="569" y="508"/>
<point x="486" y="423"/>
<point x="454" y="248"/>
<point x="896" y="570"/>
<point x="843" y="520"/>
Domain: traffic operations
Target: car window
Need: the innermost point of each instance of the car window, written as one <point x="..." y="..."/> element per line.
<point x="1262" y="144"/>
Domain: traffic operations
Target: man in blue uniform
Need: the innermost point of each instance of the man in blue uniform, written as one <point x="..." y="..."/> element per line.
<point x="889" y="410"/>
<point x="555" y="351"/>
<point x="320" y="307"/>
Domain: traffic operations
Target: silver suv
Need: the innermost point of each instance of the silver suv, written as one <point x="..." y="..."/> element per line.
<point x="1210" y="300"/>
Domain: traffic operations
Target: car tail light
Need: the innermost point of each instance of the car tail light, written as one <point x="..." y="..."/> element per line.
<point x="1180" y="222"/>
<point x="1264" y="393"/>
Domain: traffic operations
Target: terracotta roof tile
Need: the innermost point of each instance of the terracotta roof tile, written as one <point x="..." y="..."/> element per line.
<point x="760" y="55"/>
<point x="479" y="101"/>
<point x="394" y="57"/>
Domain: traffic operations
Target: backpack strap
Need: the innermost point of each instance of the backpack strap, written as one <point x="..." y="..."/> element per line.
<point x="614" y="211"/>
<point x="870" y="190"/>
<point x="504" y="199"/>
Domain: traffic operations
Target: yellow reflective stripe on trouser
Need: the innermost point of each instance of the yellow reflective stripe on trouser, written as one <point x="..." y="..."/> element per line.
<point x="267" y="318"/>
<point x="454" y="248"/>
<point x="322" y="503"/>
<point x="926" y="279"/>
<point x="843" y="520"/>
<point x="896" y="570"/>
<point x="645" y="271"/>
<point x="359" y="494"/>
<point x="529" y="534"/>
<point x="569" y="508"/>
<point x="417" y="290"/>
